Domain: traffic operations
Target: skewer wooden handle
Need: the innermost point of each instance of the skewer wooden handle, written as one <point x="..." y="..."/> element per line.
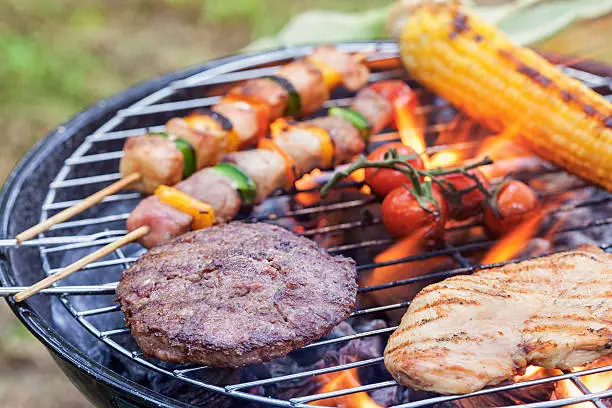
<point x="78" y="208"/>
<point x="69" y="270"/>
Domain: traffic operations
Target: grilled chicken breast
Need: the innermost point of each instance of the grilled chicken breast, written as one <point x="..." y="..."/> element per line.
<point x="468" y="332"/>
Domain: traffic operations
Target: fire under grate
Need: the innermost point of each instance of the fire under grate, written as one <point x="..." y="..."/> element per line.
<point x="346" y="223"/>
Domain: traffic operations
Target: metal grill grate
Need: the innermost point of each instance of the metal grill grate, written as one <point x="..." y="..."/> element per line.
<point x="80" y="173"/>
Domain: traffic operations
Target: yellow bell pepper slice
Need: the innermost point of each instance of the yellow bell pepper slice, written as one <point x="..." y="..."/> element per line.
<point x="331" y="77"/>
<point x="202" y="213"/>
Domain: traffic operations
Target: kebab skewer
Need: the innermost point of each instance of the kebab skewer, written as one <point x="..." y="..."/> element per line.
<point x="216" y="194"/>
<point x="238" y="121"/>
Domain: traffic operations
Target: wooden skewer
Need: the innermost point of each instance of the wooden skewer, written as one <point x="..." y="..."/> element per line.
<point x="77" y="208"/>
<point x="94" y="256"/>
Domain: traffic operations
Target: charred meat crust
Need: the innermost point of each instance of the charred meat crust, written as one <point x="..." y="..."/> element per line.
<point x="235" y="294"/>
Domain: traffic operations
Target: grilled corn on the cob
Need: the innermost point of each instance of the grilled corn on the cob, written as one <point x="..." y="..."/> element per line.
<point x="478" y="69"/>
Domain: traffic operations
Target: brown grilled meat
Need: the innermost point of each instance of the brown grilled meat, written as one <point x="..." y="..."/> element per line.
<point x="234" y="294"/>
<point x="468" y="332"/>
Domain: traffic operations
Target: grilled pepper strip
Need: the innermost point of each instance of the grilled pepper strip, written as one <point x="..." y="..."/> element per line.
<point x="294" y="104"/>
<point x="202" y="213"/>
<point x="186" y="149"/>
<point x="242" y="182"/>
<point x="355" y="118"/>
<point x="291" y="168"/>
<point x="331" y="77"/>
<point x="327" y="146"/>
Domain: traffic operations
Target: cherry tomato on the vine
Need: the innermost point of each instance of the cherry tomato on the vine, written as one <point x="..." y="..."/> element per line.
<point x="403" y="215"/>
<point x="382" y="181"/>
<point x="470" y="203"/>
<point x="515" y="201"/>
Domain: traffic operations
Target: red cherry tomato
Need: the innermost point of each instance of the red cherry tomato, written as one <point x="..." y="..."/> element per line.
<point x="470" y="203"/>
<point x="392" y="89"/>
<point x="516" y="201"/>
<point x="402" y="214"/>
<point x="382" y="181"/>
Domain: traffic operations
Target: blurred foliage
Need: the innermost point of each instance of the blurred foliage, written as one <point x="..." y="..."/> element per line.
<point x="59" y="56"/>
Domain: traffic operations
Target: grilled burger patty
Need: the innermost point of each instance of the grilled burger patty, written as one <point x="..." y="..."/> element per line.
<point x="234" y="294"/>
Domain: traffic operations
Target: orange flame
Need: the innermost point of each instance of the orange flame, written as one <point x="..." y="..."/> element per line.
<point x="594" y="383"/>
<point x="508" y="156"/>
<point x="359" y="176"/>
<point x="535" y="372"/>
<point x="305" y="183"/>
<point x="516" y="240"/>
<point x="446" y="158"/>
<point x="343" y="380"/>
<point x="410" y="245"/>
<point x="408" y="127"/>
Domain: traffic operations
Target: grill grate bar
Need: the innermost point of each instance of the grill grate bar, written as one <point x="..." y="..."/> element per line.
<point x="171" y="106"/>
<point x="94" y="158"/>
<point x="86" y="244"/>
<point x="310" y="373"/>
<point x="101" y="264"/>
<point x="60" y="205"/>
<point x="320" y="209"/>
<point x="585" y="391"/>
<point x="350" y="337"/>
<point x="377" y="309"/>
<point x="83" y="181"/>
<point x="90" y="221"/>
<point x="123" y="134"/>
<point x="99" y="311"/>
<point x="79" y="290"/>
<point x="114" y="332"/>
<point x="346" y="391"/>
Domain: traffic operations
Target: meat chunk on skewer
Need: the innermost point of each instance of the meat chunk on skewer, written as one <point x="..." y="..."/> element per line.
<point x="309" y="84"/>
<point x="156" y="159"/>
<point x="165" y="222"/>
<point x="209" y="145"/>
<point x="265" y="167"/>
<point x="347" y="140"/>
<point x="375" y="107"/>
<point x="215" y="189"/>
<point x="267" y="90"/>
<point x="244" y="121"/>
<point x="354" y="74"/>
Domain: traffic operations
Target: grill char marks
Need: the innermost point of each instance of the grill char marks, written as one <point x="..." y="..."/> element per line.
<point x="234" y="294"/>
<point x="496" y="322"/>
<point x="568" y="95"/>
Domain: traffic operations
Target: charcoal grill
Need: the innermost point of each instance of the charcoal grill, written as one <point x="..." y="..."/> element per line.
<point x="74" y="318"/>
